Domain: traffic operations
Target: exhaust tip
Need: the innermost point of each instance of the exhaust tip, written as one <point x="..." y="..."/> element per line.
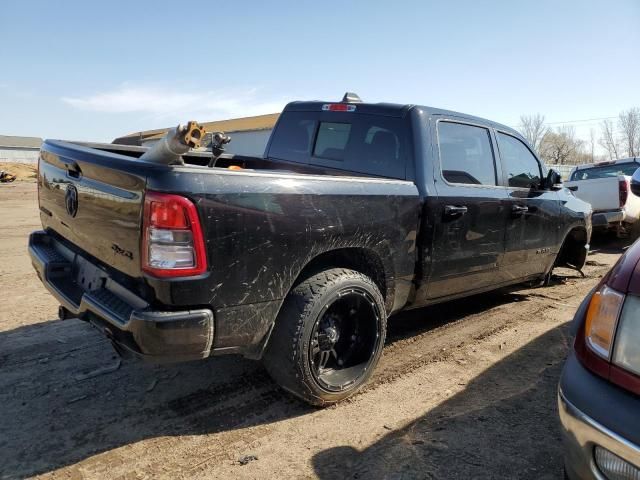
<point x="64" y="314"/>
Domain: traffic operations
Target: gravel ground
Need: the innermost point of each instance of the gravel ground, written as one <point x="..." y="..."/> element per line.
<point x="464" y="390"/>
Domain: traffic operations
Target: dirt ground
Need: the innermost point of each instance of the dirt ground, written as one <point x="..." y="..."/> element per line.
<point x="464" y="390"/>
<point x="23" y="172"/>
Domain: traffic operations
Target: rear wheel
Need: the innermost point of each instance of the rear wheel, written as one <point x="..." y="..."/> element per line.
<point x="573" y="253"/>
<point x="328" y="337"/>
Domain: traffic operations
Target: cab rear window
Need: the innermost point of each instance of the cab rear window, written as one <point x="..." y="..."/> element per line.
<point x="331" y="141"/>
<point x="370" y="144"/>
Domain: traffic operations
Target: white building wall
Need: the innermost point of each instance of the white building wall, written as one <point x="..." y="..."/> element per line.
<point x="19" y="155"/>
<point x="250" y="143"/>
<point x="564" y="170"/>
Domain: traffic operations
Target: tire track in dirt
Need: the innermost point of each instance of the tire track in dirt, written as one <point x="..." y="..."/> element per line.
<point x="175" y="418"/>
<point x="240" y="411"/>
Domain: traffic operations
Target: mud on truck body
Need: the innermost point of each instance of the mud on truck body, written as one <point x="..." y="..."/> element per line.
<point x="355" y="212"/>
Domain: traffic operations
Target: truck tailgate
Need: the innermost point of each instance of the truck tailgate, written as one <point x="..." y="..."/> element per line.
<point x="602" y="193"/>
<point x="88" y="198"/>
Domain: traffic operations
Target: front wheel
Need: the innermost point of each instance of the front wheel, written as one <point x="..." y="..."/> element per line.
<point x="328" y="336"/>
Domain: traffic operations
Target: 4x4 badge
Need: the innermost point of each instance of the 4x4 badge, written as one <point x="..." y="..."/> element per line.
<point x="71" y="200"/>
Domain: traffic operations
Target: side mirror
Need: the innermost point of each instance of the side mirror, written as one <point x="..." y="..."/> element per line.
<point x="552" y="180"/>
<point x="635" y="183"/>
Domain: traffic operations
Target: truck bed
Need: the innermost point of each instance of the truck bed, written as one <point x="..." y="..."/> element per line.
<point x="203" y="159"/>
<point x="111" y="182"/>
<point x="261" y="227"/>
<point x="602" y="193"/>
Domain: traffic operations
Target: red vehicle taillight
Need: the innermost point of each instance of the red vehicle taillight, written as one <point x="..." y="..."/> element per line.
<point x="623" y="188"/>
<point x="172" y="239"/>
<point x="602" y="342"/>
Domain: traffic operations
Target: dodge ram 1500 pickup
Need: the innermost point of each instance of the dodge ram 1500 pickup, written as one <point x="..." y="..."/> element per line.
<point x="355" y="212"/>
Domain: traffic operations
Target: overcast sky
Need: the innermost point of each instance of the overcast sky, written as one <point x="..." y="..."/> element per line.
<point x="94" y="71"/>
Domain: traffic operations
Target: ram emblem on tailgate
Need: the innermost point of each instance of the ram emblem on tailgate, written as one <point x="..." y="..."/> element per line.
<point x="71" y="200"/>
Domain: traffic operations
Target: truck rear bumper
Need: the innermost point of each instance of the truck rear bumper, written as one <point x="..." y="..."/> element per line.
<point x="608" y="218"/>
<point x="88" y="292"/>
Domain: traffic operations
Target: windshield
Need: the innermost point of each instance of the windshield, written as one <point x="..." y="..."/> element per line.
<point x="606" y="171"/>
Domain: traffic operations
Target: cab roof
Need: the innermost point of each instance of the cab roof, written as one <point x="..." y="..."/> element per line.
<point x="393" y="110"/>
<point x="605" y="163"/>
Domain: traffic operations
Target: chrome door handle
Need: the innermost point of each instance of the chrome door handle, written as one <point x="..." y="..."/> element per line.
<point x="454" y="211"/>
<point x="519" y="209"/>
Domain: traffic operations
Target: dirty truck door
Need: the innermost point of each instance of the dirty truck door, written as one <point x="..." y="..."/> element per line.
<point x="533" y="227"/>
<point x="469" y="211"/>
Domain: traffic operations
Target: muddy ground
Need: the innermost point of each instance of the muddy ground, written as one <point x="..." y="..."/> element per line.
<point x="464" y="390"/>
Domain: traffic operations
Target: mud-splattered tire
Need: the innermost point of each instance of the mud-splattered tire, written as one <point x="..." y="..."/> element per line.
<point x="328" y="336"/>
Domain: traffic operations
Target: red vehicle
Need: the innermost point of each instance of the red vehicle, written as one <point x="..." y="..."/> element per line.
<point x="599" y="392"/>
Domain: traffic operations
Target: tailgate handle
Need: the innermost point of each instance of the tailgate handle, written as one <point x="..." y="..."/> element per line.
<point x="73" y="170"/>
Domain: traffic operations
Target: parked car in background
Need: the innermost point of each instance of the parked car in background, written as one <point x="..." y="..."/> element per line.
<point x="605" y="186"/>
<point x="599" y="392"/>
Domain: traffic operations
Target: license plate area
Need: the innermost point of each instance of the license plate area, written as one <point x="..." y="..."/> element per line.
<point x="88" y="277"/>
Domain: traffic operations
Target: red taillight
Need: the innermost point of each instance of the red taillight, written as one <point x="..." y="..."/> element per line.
<point x="624" y="379"/>
<point x="168" y="213"/>
<point x="338" y="107"/>
<point x="172" y="239"/>
<point x="623" y="188"/>
<point x="592" y="356"/>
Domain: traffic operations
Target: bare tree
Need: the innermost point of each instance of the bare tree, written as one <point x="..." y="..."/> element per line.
<point x="608" y="140"/>
<point x="533" y="129"/>
<point x="592" y="144"/>
<point x="561" y="147"/>
<point x="629" y="126"/>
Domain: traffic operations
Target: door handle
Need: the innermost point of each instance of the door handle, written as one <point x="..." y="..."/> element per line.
<point x="519" y="209"/>
<point x="454" y="211"/>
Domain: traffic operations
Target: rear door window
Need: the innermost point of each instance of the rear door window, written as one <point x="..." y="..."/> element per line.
<point x="522" y="168"/>
<point x="466" y="155"/>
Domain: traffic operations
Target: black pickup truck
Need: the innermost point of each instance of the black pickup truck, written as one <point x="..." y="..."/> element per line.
<point x="355" y="212"/>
